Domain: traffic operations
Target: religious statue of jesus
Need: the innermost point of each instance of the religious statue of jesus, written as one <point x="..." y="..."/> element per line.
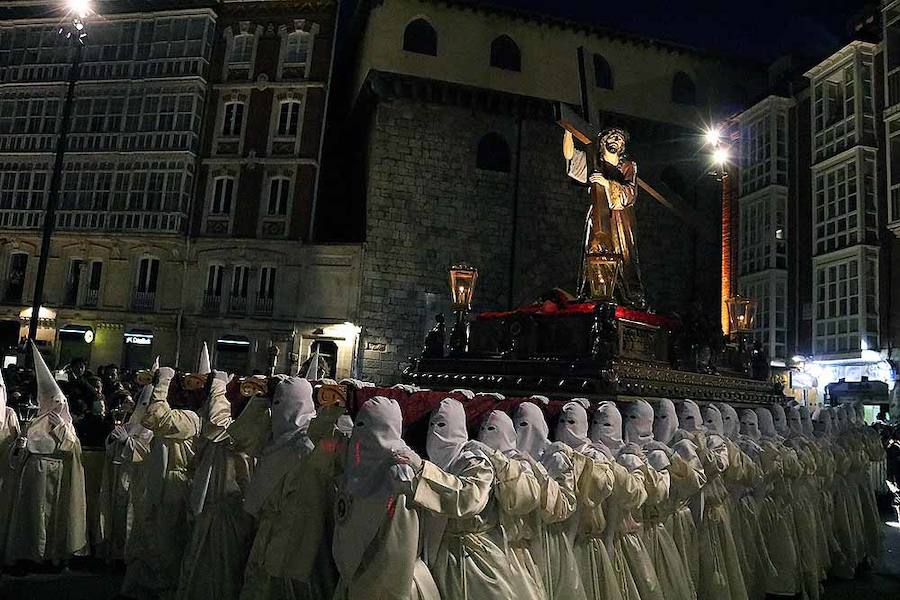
<point x="610" y="220"/>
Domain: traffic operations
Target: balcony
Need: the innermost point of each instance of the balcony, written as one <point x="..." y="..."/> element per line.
<point x="144" y="301"/>
<point x="91" y="298"/>
<point x="212" y="303"/>
<point x="237" y="304"/>
<point x="85" y="220"/>
<point x="263" y="306"/>
<point x="108" y="70"/>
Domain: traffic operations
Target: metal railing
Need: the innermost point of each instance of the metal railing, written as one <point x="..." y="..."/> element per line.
<point x="212" y="302"/>
<point x="86" y="220"/>
<point x="263" y="306"/>
<point x="237" y="304"/>
<point x="91" y="298"/>
<point x="143" y="300"/>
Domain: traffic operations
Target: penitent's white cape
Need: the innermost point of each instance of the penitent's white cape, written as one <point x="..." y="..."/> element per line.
<point x="376" y="537"/>
<point x="45" y="489"/>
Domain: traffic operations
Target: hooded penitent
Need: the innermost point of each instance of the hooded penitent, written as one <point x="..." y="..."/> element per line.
<point x="766" y="423"/>
<point x="779" y="418"/>
<point x="532" y="430"/>
<point x="498" y="432"/>
<point x="794" y="421"/>
<point x="806" y="421"/>
<point x="369" y="478"/>
<point x="665" y="421"/>
<point x="689" y="417"/>
<point x="292" y="410"/>
<point x="446" y="433"/>
<point x="606" y="427"/>
<point x="712" y="419"/>
<point x="204" y="366"/>
<point x="730" y="420"/>
<point x="750" y="424"/>
<point x="50" y="400"/>
<point x="638" y="417"/>
<point x="572" y="427"/>
<point x="822" y="421"/>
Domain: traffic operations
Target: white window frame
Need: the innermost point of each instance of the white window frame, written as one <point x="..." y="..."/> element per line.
<point x="764" y="287"/>
<point x="214" y="176"/>
<point x="220" y="137"/>
<point x="231" y="34"/>
<point x="269" y="274"/>
<point x="234" y="287"/>
<point x="288" y="175"/>
<point x="299" y="26"/>
<point x="297" y="95"/>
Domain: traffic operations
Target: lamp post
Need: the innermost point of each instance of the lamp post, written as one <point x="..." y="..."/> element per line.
<point x="721" y="153"/>
<point x="73" y="32"/>
<point x="462" y="290"/>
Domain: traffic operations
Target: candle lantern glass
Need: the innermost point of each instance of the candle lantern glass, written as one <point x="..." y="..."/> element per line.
<point x="462" y="286"/>
<point x="603" y="270"/>
<point x="741" y="313"/>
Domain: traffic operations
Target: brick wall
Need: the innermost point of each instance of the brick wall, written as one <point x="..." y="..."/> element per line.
<point x="429" y="206"/>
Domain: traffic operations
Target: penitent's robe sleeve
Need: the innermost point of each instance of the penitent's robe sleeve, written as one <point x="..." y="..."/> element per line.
<point x="517" y="489"/>
<point x="558" y="500"/>
<point x="455" y="496"/>
<point x="163" y="421"/>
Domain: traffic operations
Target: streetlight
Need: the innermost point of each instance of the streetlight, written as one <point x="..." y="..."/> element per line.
<point x="73" y="32"/>
<point x="721" y="155"/>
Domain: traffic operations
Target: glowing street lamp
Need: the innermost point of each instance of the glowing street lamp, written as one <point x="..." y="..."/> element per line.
<point x="462" y="290"/>
<point x="73" y="32"/>
<point x="721" y="156"/>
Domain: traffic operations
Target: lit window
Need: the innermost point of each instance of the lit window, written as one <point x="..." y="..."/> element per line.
<point x="222" y="194"/>
<point x="289" y="118"/>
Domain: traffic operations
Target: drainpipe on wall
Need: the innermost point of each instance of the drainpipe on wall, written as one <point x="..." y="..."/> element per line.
<point x="315" y="196"/>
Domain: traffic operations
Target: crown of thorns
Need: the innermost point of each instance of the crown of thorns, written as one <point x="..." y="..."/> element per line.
<point x="610" y="130"/>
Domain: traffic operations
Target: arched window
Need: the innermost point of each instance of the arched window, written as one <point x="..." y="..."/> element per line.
<point x="683" y="89"/>
<point x="493" y="153"/>
<point x="420" y="37"/>
<point x="603" y="77"/>
<point x="505" y="54"/>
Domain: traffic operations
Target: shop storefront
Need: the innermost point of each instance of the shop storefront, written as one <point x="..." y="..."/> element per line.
<point x="75" y="341"/>
<point x="137" y="349"/>
<point x="233" y="354"/>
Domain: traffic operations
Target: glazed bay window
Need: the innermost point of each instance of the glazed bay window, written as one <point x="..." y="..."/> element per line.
<point x="763" y="146"/>
<point x="770" y="292"/>
<point x="763" y="240"/>
<point x="242" y="49"/>
<point x="846" y="303"/>
<point x="844" y="202"/>
<point x="240" y="53"/>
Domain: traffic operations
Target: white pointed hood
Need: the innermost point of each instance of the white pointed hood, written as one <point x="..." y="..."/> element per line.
<point x="766" y="423"/>
<point x="572" y="427"/>
<point x="689" y="417"/>
<point x="155" y="366"/>
<point x="730" y="420"/>
<point x="806" y="421"/>
<point x="779" y="418"/>
<point x="750" y="424"/>
<point x="712" y="419"/>
<point x="498" y="432"/>
<point x="204" y="366"/>
<point x="312" y="372"/>
<point x="606" y="427"/>
<point x="638" y="426"/>
<point x="447" y="433"/>
<point x="665" y="421"/>
<point x="532" y="430"/>
<point x="50" y="397"/>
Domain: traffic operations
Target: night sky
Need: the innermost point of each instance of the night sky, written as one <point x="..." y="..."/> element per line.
<point x="757" y="29"/>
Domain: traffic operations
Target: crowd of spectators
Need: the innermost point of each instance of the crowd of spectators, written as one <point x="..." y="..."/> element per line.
<point x="97" y="401"/>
